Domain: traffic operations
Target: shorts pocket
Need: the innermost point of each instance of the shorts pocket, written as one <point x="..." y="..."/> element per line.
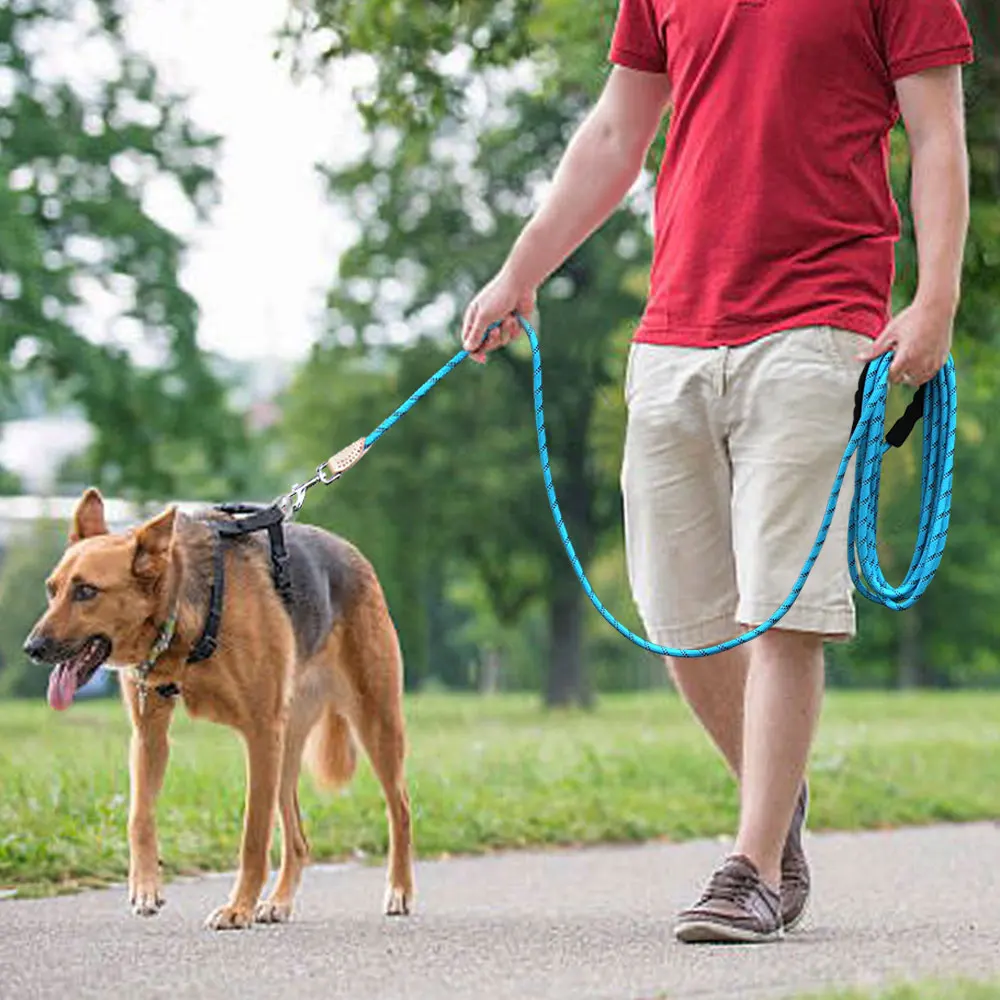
<point x="841" y="348"/>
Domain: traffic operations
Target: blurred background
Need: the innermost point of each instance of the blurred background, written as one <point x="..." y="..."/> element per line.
<point x="234" y="237"/>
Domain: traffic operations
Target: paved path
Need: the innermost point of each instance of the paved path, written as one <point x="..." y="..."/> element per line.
<point x="591" y="924"/>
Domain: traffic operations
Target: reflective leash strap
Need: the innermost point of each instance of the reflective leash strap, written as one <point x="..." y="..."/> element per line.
<point x="868" y="442"/>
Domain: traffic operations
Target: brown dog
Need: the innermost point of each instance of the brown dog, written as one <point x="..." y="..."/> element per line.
<point x="302" y="678"/>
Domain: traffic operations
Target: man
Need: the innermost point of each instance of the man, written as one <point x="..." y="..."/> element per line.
<point x="770" y="285"/>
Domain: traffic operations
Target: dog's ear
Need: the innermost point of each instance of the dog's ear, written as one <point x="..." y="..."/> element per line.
<point x="152" y="544"/>
<point x="88" y="517"/>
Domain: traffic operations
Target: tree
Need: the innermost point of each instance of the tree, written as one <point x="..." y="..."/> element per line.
<point x="443" y="224"/>
<point x="25" y="562"/>
<point x="75" y="164"/>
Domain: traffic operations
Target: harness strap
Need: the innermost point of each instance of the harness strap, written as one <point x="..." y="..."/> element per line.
<point x="250" y="518"/>
<point x="270" y="519"/>
<point x="208" y="642"/>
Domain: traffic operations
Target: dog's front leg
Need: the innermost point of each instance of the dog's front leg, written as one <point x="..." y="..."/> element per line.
<point x="263" y="747"/>
<point x="147" y="764"/>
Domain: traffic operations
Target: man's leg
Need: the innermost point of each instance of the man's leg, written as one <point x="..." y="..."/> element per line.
<point x="783" y="697"/>
<point x="791" y="398"/>
<point x="794" y="394"/>
<point x="714" y="689"/>
<point x="676" y="488"/>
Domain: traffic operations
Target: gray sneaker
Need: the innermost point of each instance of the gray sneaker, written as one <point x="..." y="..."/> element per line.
<point x="737" y="907"/>
<point x="795" y="879"/>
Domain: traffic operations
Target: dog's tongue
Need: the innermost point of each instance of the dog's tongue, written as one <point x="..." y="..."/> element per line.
<point x="62" y="687"/>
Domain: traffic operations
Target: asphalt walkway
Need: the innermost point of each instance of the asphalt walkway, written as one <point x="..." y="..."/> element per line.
<point x="590" y="924"/>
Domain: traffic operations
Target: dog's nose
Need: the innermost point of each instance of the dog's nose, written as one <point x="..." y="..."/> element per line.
<point x="37" y="646"/>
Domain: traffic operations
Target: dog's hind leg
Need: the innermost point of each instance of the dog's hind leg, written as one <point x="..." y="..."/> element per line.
<point x="264" y="753"/>
<point x="277" y="908"/>
<point x="148" y="755"/>
<point x="384" y="740"/>
<point x="371" y="665"/>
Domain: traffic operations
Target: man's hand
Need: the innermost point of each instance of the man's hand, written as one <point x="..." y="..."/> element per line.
<point x="496" y="302"/>
<point x="920" y="337"/>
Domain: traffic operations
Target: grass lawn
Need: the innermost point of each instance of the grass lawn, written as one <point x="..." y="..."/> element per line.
<point x="919" y="991"/>
<point x="484" y="774"/>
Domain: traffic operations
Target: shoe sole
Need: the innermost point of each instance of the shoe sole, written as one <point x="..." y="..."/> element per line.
<point x="712" y="932"/>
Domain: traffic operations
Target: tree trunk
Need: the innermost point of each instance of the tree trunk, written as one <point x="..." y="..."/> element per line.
<point x="490" y="665"/>
<point x="910" y="666"/>
<point x="567" y="682"/>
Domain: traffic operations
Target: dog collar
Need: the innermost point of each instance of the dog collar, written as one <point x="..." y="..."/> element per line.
<point x="141" y="671"/>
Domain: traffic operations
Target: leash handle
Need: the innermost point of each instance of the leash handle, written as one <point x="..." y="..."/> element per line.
<point x="903" y="427"/>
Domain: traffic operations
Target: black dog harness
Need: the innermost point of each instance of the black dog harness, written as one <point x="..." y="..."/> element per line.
<point x="251" y="518"/>
<point x="247" y="519"/>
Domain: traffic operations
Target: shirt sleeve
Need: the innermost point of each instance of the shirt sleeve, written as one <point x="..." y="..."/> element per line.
<point x="637" y="42"/>
<point x="923" y="34"/>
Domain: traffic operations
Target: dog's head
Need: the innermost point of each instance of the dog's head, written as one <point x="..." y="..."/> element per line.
<point x="105" y="598"/>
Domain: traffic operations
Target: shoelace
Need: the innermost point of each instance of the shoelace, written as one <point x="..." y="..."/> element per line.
<point x="735" y="885"/>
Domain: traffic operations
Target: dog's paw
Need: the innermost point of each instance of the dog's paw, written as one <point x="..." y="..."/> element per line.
<point x="229" y="918"/>
<point x="146" y="902"/>
<point x="272" y="912"/>
<point x="397" y="902"/>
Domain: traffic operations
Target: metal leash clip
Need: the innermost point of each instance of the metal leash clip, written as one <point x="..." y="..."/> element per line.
<point x="326" y="473"/>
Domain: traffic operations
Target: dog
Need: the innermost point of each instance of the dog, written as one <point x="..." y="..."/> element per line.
<point x="306" y="678"/>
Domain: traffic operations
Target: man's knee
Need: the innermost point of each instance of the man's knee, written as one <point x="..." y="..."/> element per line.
<point x="786" y="640"/>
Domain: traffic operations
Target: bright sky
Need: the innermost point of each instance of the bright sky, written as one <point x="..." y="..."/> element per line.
<point x="260" y="268"/>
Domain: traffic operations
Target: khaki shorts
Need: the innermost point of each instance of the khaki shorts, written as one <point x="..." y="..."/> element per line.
<point x="730" y="455"/>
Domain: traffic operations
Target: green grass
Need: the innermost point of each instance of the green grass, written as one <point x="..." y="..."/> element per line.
<point x="960" y="990"/>
<point x="484" y="774"/>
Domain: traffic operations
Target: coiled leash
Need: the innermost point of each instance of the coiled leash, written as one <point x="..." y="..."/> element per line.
<point x="935" y="401"/>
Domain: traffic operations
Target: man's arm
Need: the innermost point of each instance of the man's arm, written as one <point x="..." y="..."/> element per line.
<point x="597" y="170"/>
<point x="933" y="113"/>
<point x="600" y="164"/>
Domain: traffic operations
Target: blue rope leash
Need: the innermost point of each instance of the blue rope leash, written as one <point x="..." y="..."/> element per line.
<point x="868" y="442"/>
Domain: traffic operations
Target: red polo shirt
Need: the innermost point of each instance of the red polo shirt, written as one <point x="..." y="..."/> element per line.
<point x="773" y="204"/>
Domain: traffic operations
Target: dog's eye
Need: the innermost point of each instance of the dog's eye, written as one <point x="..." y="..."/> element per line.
<point x="84" y="592"/>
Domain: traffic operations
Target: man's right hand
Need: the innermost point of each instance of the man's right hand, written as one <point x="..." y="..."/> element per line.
<point x="497" y="301"/>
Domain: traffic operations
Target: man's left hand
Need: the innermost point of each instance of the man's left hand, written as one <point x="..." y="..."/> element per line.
<point x="920" y="337"/>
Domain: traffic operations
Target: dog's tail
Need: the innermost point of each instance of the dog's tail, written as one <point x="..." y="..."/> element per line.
<point x="330" y="752"/>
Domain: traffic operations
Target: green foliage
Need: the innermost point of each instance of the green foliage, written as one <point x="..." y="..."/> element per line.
<point x="456" y="485"/>
<point x="10" y="482"/>
<point x="484" y="773"/>
<point x="26" y="562"/>
<point x="425" y="56"/>
<point x="75" y="167"/>
<point x="934" y="990"/>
